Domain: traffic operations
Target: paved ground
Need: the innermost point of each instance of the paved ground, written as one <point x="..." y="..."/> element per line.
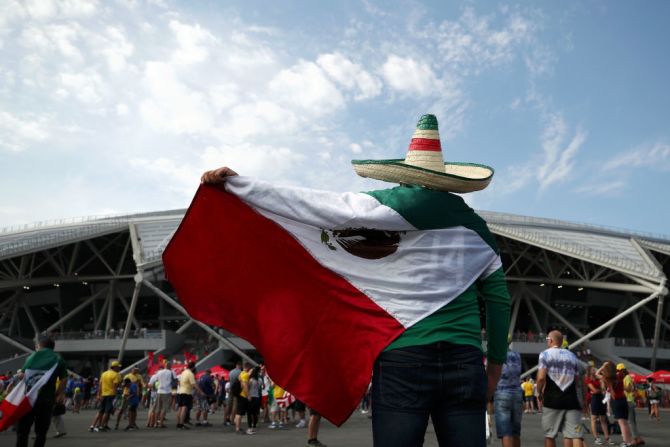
<point x="356" y="432"/>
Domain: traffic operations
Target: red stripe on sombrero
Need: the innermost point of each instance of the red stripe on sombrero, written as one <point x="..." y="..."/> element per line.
<point x="425" y="144"/>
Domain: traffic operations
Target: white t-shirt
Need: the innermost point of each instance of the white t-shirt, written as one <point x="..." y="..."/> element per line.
<point x="164" y="378"/>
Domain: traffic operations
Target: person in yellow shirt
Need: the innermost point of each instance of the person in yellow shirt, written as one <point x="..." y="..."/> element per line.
<point x="243" y="399"/>
<point x="629" y="391"/>
<point x="528" y="403"/>
<point x="187" y="385"/>
<point x="109" y="382"/>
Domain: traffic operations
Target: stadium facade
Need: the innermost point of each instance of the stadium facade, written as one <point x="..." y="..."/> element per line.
<point x="98" y="286"/>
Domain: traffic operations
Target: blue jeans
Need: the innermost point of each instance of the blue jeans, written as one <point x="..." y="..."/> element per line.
<point x="442" y="381"/>
<point x="508" y="410"/>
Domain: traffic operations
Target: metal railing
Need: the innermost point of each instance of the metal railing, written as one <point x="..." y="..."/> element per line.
<point x="636" y="343"/>
<point x="108" y="335"/>
<point x="41" y="239"/>
<point x="504" y="218"/>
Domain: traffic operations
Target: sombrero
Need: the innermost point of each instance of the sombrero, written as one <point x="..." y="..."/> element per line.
<point x="424" y="165"/>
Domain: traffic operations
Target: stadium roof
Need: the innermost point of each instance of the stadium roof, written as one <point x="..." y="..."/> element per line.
<point x="620" y="250"/>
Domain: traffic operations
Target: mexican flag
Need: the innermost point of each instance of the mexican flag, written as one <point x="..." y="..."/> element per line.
<point x="23" y="396"/>
<point x="321" y="282"/>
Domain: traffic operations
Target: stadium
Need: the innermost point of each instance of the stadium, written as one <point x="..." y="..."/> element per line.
<point x="97" y="284"/>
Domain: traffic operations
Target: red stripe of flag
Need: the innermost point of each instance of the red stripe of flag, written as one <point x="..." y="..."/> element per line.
<point x="425" y="144"/>
<point x="318" y="334"/>
<point x="10" y="413"/>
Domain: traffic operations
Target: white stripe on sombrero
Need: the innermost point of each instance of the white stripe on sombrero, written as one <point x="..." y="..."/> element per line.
<point x="432" y="160"/>
<point x="426" y="133"/>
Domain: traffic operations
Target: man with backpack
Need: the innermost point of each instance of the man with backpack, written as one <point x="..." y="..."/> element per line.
<point x="234" y="383"/>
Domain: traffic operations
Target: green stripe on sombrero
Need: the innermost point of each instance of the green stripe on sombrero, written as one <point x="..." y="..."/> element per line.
<point x="427" y="122"/>
<point x="427" y="209"/>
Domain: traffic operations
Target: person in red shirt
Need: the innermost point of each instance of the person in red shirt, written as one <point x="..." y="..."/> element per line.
<point x="613" y="379"/>
<point x="598" y="408"/>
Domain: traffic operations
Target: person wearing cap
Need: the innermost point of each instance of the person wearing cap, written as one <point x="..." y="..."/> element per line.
<point x="448" y="340"/>
<point x="629" y="391"/>
<point x="613" y="378"/>
<point x="109" y="382"/>
<point x="38" y="363"/>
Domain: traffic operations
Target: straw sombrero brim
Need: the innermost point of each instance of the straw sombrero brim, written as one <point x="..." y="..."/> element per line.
<point x="457" y="177"/>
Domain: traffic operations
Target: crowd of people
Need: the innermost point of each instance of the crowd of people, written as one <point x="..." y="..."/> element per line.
<point x="249" y="395"/>
<point x="566" y="394"/>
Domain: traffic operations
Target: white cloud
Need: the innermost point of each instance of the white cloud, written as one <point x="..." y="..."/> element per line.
<point x="121" y="109"/>
<point x="259" y="160"/>
<point x="306" y="87"/>
<point x="16" y="133"/>
<point x="558" y="158"/>
<point x="350" y="75"/>
<point x="604" y="188"/>
<point x="87" y="87"/>
<point x="65" y="39"/>
<point x="114" y="45"/>
<point x="355" y="148"/>
<point x="172" y="106"/>
<point x="563" y="166"/>
<point x="193" y="42"/>
<point x="252" y="120"/>
<point x="409" y="76"/>
<point x="656" y="155"/>
<point x="472" y="43"/>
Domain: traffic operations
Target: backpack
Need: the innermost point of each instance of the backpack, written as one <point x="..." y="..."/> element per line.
<point x="236" y="388"/>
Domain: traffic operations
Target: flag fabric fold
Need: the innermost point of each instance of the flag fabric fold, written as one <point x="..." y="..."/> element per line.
<point x="23" y="396"/>
<point x="321" y="282"/>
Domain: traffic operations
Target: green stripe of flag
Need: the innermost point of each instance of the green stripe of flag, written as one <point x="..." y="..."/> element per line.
<point x="427" y="209"/>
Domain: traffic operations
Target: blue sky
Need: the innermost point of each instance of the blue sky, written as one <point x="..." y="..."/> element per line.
<point x="118" y="106"/>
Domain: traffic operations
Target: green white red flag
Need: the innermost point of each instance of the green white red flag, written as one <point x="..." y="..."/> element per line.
<point x="321" y="282"/>
<point x="23" y="396"/>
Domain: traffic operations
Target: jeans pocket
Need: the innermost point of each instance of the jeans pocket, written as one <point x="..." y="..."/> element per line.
<point x="400" y="384"/>
<point x="473" y="384"/>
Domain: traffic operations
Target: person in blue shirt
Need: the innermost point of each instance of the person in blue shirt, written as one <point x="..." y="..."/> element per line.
<point x="133" y="403"/>
<point x="508" y="401"/>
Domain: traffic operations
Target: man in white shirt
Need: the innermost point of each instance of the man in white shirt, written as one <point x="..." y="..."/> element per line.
<point x="164" y="376"/>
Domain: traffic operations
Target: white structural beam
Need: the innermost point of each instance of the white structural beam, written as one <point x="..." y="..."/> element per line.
<point x="76" y="310"/>
<point x="131" y="314"/>
<point x="657" y="329"/>
<point x="605" y="325"/>
<point x="533" y="315"/>
<point x="553" y="311"/>
<point x="15" y="343"/>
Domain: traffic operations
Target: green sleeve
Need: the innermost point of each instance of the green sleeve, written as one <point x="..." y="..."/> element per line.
<point x="62" y="368"/>
<point x="497" y="301"/>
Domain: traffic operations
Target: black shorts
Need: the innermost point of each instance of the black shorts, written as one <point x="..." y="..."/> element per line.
<point x="107" y="405"/>
<point x="312" y="412"/>
<point x="242" y="405"/>
<point x="620" y="408"/>
<point x="598" y="408"/>
<point x="185" y="400"/>
<point x="298" y="406"/>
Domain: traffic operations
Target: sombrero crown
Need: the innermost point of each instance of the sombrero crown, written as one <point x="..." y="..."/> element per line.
<point x="424" y="165"/>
